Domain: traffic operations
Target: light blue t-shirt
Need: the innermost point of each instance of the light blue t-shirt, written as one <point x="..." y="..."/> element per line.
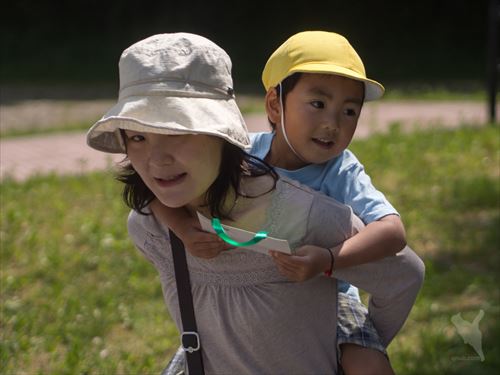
<point x="342" y="178"/>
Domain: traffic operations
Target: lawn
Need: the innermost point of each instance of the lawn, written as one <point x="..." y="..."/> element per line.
<point x="76" y="297"/>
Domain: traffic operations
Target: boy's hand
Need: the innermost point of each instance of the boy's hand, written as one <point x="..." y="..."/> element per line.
<point x="199" y="243"/>
<point x="202" y="244"/>
<point x="307" y="262"/>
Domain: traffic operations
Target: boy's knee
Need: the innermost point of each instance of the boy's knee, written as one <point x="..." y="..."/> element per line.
<point x="364" y="361"/>
<point x="408" y="272"/>
<point x="414" y="267"/>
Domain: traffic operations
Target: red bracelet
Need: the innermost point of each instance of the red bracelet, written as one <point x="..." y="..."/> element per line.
<point x="332" y="262"/>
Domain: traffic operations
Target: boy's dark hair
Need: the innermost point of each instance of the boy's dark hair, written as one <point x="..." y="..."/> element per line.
<point x="287" y="85"/>
<point x="235" y="163"/>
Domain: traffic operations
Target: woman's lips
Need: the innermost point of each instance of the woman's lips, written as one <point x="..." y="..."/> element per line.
<point x="171" y="180"/>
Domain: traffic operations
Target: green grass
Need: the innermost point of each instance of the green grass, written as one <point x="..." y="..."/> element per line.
<point x="45" y="130"/>
<point x="446" y="186"/>
<point x="425" y="92"/>
<point x="76" y="297"/>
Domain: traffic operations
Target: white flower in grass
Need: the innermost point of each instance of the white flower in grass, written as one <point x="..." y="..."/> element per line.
<point x="107" y="241"/>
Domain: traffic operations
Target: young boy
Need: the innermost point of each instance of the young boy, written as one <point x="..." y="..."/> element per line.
<point x="316" y="86"/>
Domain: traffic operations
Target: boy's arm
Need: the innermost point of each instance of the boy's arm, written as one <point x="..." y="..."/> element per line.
<point x="187" y="228"/>
<point x="379" y="239"/>
<point x="384" y="234"/>
<point x="393" y="281"/>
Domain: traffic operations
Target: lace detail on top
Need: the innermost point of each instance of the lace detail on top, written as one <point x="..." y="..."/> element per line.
<point x="291" y="203"/>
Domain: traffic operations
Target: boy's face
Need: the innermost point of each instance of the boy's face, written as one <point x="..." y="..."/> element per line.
<point x="321" y="115"/>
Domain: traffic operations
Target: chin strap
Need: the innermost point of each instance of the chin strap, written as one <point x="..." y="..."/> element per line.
<point x="283" y="126"/>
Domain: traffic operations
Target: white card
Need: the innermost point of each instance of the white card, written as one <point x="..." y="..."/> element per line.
<point x="241" y="235"/>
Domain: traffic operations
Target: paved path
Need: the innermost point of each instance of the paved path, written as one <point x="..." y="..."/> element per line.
<point x="23" y="157"/>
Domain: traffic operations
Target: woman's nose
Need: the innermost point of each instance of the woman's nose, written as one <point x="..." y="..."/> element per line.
<point x="161" y="154"/>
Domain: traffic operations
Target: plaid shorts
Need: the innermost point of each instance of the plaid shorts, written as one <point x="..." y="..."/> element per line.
<point x="354" y="325"/>
<point x="177" y="364"/>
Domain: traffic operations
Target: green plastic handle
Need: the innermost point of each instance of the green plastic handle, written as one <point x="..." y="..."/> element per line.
<point x="259" y="236"/>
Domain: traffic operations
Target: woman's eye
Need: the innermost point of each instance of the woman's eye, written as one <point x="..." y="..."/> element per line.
<point x="318" y="104"/>
<point x="136" y="138"/>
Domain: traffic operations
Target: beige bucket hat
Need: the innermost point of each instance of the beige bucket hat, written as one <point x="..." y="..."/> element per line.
<point x="176" y="83"/>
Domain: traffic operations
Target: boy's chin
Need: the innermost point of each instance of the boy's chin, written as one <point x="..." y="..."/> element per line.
<point x="322" y="160"/>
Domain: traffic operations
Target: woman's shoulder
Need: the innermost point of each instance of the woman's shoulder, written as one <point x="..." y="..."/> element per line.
<point x="149" y="237"/>
<point x="305" y="213"/>
<point x="143" y="227"/>
<point x="313" y="197"/>
<point x="294" y="191"/>
<point x="300" y="191"/>
<point x="138" y="222"/>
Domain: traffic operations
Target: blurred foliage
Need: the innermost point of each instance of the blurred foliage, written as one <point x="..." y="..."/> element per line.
<point x="81" y="41"/>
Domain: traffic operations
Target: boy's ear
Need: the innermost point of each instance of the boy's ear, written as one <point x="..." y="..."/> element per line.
<point x="273" y="107"/>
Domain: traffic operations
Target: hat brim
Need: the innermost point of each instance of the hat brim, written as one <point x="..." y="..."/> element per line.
<point x="373" y="89"/>
<point x="171" y="116"/>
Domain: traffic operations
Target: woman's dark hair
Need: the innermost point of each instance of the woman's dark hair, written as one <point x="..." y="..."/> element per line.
<point x="287" y="85"/>
<point x="235" y="163"/>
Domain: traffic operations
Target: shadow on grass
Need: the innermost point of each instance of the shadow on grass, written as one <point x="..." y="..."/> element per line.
<point x="449" y="197"/>
<point x="463" y="279"/>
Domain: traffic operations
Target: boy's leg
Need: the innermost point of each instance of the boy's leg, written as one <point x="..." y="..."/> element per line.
<point x="360" y="348"/>
<point x="393" y="283"/>
<point x="357" y="360"/>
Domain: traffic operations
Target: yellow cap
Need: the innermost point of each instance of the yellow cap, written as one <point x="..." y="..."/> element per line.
<point x="318" y="52"/>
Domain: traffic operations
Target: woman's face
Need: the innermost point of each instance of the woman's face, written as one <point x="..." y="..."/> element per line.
<point x="178" y="169"/>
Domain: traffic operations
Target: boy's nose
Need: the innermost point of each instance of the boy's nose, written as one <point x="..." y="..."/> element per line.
<point x="332" y="123"/>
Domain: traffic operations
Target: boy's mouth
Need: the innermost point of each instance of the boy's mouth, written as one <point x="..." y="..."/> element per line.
<point x="323" y="143"/>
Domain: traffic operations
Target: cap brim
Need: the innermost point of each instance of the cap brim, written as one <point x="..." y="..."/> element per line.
<point x="373" y="89"/>
<point x="171" y="116"/>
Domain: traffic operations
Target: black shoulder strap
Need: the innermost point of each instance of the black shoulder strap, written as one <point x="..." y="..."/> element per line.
<point x="189" y="338"/>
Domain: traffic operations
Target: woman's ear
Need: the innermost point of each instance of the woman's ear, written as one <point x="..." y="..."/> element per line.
<point x="273" y="107"/>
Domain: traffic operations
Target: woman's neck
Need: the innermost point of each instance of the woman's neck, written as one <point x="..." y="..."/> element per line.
<point x="247" y="210"/>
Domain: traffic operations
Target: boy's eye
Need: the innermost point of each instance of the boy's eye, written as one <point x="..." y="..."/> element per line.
<point x="318" y="104"/>
<point x="350" y="112"/>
